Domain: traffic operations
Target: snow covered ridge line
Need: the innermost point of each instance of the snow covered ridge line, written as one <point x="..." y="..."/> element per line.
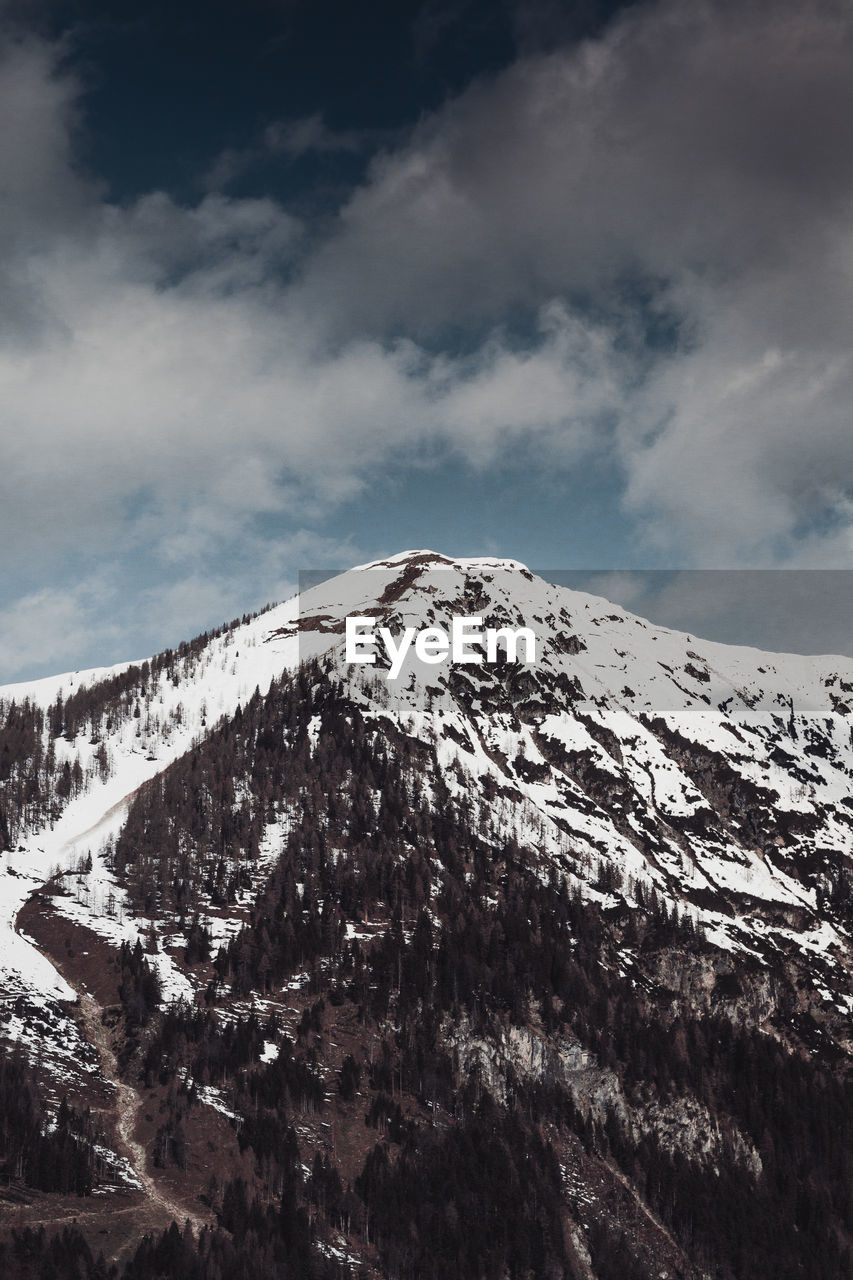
<point x="467" y="643"/>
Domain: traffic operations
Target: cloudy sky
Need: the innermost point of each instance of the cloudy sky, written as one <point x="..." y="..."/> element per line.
<point x="289" y="284"/>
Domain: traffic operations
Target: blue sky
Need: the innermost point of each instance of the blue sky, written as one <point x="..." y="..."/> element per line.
<point x="287" y="285"/>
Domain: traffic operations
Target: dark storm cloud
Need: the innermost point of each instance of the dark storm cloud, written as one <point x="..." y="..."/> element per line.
<point x="689" y="137"/>
<point x="696" y="157"/>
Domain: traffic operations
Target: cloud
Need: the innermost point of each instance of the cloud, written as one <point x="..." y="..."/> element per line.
<point x="691" y="168"/>
<point x="53" y="626"/>
<point x="637" y="245"/>
<point x="781" y="610"/>
<point x="111" y="615"/>
<point x="174" y="390"/>
<point x="750" y="448"/>
<point x="310" y="133"/>
<point x="290" y="140"/>
<point x="690" y="136"/>
<point x="42" y="193"/>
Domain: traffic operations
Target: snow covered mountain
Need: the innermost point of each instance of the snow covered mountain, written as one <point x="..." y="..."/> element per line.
<point x="628" y="755"/>
<point x="645" y="773"/>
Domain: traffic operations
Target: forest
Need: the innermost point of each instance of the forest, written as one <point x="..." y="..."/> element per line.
<point x="469" y="936"/>
<point x="40" y="768"/>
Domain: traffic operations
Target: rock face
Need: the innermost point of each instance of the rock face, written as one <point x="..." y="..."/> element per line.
<point x="558" y="948"/>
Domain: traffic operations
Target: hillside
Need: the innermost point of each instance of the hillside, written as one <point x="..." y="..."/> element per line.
<point x="505" y="969"/>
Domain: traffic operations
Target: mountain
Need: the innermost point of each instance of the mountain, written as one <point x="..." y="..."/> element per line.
<point x="499" y="968"/>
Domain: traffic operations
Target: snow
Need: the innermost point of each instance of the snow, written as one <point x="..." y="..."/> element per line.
<point x="43" y="1029"/>
<point x="121" y="1169"/>
<point x="269" y="1053"/>
<point x="627" y="680"/>
<point x="213" y="1098"/>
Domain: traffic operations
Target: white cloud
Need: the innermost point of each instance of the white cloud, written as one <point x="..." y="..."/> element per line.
<point x="176" y="377"/>
<point x="170" y="374"/>
<point x="55" y="626"/>
<point x="107" y="616"/>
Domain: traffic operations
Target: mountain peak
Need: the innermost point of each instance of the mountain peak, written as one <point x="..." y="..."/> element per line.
<point x="436" y="560"/>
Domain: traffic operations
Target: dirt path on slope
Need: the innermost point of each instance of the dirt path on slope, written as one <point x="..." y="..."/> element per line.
<point x="127" y="1106"/>
<point x="128" y="1101"/>
<point x="658" y="1225"/>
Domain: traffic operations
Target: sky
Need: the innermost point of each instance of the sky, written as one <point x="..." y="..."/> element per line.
<point x="288" y="285"/>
